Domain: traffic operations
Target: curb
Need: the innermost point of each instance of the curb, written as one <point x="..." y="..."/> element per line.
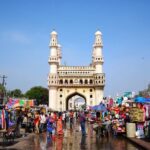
<point x="139" y="142"/>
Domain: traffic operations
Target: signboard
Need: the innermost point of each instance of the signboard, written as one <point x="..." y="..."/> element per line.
<point x="136" y="115"/>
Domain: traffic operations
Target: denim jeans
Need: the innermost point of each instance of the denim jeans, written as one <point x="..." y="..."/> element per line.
<point x="83" y="128"/>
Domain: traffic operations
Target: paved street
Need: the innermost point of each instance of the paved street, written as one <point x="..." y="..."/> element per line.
<point x="73" y="140"/>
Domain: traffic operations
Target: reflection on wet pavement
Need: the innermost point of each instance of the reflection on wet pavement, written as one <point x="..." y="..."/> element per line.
<point x="73" y="140"/>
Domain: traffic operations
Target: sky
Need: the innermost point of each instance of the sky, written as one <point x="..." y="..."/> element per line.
<point x="25" y="27"/>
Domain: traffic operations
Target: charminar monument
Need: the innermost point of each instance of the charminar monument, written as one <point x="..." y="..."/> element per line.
<point x="64" y="82"/>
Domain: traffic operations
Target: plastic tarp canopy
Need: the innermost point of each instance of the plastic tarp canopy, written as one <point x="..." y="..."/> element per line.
<point x="147" y="100"/>
<point x="100" y="107"/>
<point x="140" y="99"/>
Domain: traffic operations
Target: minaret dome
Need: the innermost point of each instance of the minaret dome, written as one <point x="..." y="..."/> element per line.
<point x="53" y="32"/>
<point x="98" y="33"/>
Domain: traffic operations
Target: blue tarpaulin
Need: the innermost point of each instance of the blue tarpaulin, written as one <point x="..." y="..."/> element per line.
<point x="100" y="107"/>
<point x="139" y="99"/>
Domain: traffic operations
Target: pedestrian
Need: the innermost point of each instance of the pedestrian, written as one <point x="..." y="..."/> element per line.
<point x="64" y="118"/>
<point x="82" y="120"/>
<point x="25" y="123"/>
<point x="50" y="126"/>
<point x="42" y="121"/>
<point x="71" y="115"/>
<point x="59" y="125"/>
<point x="36" y="122"/>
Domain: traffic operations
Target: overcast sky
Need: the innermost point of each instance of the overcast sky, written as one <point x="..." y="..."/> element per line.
<point x="25" y="27"/>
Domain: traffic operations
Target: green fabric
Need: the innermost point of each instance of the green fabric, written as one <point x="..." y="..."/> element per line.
<point x="21" y="102"/>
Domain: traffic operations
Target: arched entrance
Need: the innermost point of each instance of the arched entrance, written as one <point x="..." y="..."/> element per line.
<point x="75" y="101"/>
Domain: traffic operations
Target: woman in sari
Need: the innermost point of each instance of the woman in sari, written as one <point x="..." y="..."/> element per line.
<point x="59" y="127"/>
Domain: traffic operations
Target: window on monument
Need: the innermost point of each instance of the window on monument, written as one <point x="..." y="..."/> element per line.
<point x="86" y="81"/>
<point x="91" y="96"/>
<point x="71" y="81"/>
<point x="66" y="81"/>
<point x="91" y="81"/>
<point x="60" y="95"/>
<point x="81" y="81"/>
<point x="60" y="102"/>
<point x="61" y="81"/>
<point x="60" y="89"/>
<point x="91" y="90"/>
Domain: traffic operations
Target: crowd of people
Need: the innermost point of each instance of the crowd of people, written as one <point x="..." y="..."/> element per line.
<point x="38" y="121"/>
<point x="112" y="120"/>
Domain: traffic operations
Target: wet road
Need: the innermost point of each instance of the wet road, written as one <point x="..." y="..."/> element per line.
<point x="72" y="140"/>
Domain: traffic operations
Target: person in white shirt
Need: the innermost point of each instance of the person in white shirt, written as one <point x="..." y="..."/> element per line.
<point x="42" y="121"/>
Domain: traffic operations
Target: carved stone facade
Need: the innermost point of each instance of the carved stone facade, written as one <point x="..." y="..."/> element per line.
<point x="65" y="82"/>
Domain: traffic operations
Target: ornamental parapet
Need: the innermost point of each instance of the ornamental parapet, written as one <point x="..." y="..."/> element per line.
<point x="76" y="68"/>
<point x="68" y="75"/>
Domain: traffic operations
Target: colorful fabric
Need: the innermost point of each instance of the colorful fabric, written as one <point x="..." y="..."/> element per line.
<point x="59" y="128"/>
<point x="3" y="118"/>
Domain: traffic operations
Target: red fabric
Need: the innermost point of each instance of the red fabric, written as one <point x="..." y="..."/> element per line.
<point x="3" y="118"/>
<point x="55" y="117"/>
<point x="36" y="120"/>
<point x="59" y="127"/>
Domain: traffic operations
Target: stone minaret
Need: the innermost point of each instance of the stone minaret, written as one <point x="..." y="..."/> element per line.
<point x="97" y="53"/>
<point x="54" y="61"/>
<point x="97" y="62"/>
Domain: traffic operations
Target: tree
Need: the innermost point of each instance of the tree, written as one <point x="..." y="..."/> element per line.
<point x="15" y="93"/>
<point x="2" y="88"/>
<point x="2" y="93"/>
<point x="39" y="93"/>
<point x="146" y="92"/>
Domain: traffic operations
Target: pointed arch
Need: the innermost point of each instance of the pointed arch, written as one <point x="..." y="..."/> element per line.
<point x="74" y="94"/>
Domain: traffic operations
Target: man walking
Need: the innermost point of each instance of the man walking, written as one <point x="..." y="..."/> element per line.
<point x="82" y="120"/>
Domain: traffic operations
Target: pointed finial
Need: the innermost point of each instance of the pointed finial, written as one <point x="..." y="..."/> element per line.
<point x="54" y="32"/>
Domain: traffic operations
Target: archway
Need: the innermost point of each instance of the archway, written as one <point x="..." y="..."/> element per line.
<point x="75" y="101"/>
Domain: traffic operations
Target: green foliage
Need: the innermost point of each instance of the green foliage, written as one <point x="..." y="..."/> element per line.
<point x="39" y="93"/>
<point x="15" y="93"/>
<point x="2" y="88"/>
<point x="2" y="93"/>
<point x="83" y="106"/>
<point x="145" y="93"/>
